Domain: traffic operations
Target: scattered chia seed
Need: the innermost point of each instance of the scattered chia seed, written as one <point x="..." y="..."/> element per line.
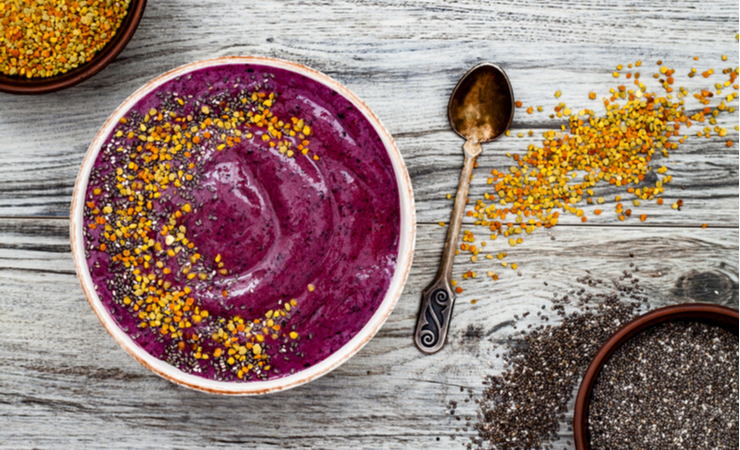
<point x="524" y="407"/>
<point x="673" y="386"/>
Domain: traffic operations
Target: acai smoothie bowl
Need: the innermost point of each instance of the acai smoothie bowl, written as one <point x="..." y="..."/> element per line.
<point x="242" y="225"/>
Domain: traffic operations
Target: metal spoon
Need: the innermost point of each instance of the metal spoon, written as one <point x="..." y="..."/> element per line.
<point x="480" y="110"/>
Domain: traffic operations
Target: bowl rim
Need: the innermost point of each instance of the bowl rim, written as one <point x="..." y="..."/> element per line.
<point x="700" y="312"/>
<point x="405" y="248"/>
<point x="37" y="86"/>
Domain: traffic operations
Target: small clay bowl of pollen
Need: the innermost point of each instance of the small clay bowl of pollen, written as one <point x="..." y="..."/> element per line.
<point x="82" y="21"/>
<point x="697" y="317"/>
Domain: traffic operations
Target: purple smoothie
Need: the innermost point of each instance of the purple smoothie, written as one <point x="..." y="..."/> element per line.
<point x="243" y="223"/>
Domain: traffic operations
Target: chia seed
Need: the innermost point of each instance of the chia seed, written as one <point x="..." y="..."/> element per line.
<point x="673" y="386"/>
<point x="524" y="407"/>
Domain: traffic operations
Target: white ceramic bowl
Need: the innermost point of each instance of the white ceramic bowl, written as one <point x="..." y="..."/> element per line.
<point x="405" y="248"/>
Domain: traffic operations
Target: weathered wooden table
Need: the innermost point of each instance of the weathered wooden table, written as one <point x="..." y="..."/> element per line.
<point x="59" y="390"/>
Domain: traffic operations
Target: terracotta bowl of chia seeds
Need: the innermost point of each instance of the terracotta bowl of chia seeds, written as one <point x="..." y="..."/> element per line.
<point x="35" y="86"/>
<point x="242" y="225"/>
<point x="710" y="314"/>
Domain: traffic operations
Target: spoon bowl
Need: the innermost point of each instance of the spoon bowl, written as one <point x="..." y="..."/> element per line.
<point x="481" y="107"/>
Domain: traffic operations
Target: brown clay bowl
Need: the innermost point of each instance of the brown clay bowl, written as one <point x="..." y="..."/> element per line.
<point x="35" y="86"/>
<point x="721" y="316"/>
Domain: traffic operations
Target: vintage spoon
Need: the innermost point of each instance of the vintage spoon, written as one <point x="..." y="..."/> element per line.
<point x="480" y="110"/>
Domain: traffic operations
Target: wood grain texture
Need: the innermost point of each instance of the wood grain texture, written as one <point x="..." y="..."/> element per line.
<point x="402" y="60"/>
<point x="65" y="384"/>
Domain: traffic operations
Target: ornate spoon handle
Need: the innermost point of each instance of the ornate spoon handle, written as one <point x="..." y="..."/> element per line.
<point x="438" y="298"/>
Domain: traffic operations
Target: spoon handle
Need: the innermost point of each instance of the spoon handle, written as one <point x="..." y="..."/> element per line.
<point x="438" y="298"/>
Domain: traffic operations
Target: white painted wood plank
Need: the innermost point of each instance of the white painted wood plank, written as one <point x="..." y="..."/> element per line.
<point x="65" y="383"/>
<point x="402" y="58"/>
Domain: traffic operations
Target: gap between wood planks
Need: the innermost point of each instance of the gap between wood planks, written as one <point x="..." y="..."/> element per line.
<point x="34" y="217"/>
